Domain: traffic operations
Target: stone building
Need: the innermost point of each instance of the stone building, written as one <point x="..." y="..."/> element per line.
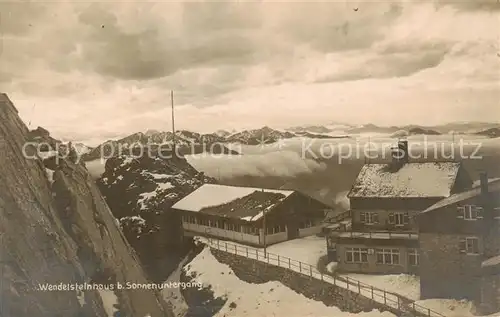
<point x="385" y="200"/>
<point x="459" y="244"/>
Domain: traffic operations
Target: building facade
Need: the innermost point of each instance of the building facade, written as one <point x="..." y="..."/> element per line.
<point x="458" y="237"/>
<point x="253" y="216"/>
<point x="385" y="200"/>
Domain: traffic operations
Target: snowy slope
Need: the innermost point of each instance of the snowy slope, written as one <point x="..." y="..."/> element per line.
<point x="254" y="300"/>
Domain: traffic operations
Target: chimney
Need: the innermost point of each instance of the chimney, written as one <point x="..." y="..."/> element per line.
<point x="400" y="153"/>
<point x="483" y="178"/>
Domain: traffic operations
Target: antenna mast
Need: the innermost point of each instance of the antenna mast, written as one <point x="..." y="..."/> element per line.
<point x="173" y="121"/>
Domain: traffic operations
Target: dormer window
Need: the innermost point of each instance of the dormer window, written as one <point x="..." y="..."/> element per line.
<point x="470" y="212"/>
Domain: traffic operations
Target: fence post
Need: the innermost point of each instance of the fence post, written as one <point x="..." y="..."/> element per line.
<point x="278" y="260"/>
<point x="226" y="246"/>
<point x="289" y="264"/>
<point x="372" y="293"/>
<point x="321" y="276"/>
<point x="235" y="250"/>
<point x="247" y="252"/>
<point x="300" y="267"/>
<point x="399" y="307"/>
<point x="359" y="288"/>
<point x="311" y="270"/>
<point x="385" y="298"/>
<point x="256" y="254"/>
<point x="429" y="312"/>
<point x="218" y="244"/>
<point x="334" y="279"/>
<point x="347" y="281"/>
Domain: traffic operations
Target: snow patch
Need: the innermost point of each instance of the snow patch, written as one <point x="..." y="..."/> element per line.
<point x="109" y="300"/>
<point x="210" y="195"/>
<point x="402" y="284"/>
<point x="256" y="300"/>
<point x="50" y="175"/>
<point x="332" y="267"/>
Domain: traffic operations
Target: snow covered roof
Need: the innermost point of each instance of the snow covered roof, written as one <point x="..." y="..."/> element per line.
<point x="246" y="203"/>
<point x="491" y="262"/>
<point x="493" y="185"/>
<point x="428" y="179"/>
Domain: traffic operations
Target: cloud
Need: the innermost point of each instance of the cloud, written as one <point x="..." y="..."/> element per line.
<point x="282" y="164"/>
<point x="106" y="69"/>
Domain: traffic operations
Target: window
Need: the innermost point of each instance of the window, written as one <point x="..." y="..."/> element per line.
<point x="250" y="230"/>
<point x="469" y="245"/>
<point x="275" y="229"/>
<point x="192" y="219"/>
<point x="388" y="256"/>
<point x="356" y="255"/>
<point x="203" y="222"/>
<point x="368" y="218"/>
<point x="413" y="257"/>
<point x="470" y="212"/>
<point x="399" y="218"/>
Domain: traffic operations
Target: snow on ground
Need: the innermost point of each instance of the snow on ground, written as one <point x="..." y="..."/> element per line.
<point x="50" y="175"/>
<point x="144" y="197"/>
<point x="402" y="284"/>
<point x="308" y="269"/>
<point x="451" y="307"/>
<point x="252" y="300"/>
<point x="109" y="299"/>
<point x="173" y="294"/>
<point x="307" y="250"/>
<point x="332" y="267"/>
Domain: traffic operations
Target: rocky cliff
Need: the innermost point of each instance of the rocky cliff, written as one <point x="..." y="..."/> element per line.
<point x="59" y="230"/>
<point x="140" y="192"/>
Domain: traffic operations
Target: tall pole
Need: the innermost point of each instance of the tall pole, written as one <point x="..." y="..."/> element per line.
<point x="265" y="229"/>
<point x="173" y="121"/>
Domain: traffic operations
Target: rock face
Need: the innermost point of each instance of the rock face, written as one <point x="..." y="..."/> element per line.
<point x="59" y="232"/>
<point x="140" y="192"/>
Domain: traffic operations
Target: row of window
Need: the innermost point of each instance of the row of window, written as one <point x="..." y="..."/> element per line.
<point x="396" y="218"/>
<point x="221" y="224"/>
<point x="473" y="212"/>
<point x="468" y="245"/>
<point x="384" y="256"/>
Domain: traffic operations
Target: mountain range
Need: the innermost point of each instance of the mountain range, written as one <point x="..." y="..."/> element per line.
<point x="189" y="142"/>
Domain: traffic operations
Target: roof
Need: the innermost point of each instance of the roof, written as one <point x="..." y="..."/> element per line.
<point x="246" y="203"/>
<point x="412" y="180"/>
<point x="491" y="262"/>
<point x="493" y="185"/>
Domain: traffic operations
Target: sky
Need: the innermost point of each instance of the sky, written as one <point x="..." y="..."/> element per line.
<point x="94" y="71"/>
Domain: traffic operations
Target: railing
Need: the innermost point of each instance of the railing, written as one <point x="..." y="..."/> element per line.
<point x="338" y="218"/>
<point x="372" y="234"/>
<point x="380" y="296"/>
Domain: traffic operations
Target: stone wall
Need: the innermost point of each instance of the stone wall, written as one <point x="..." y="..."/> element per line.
<point x="490" y="295"/>
<point x="253" y="271"/>
<point x="444" y="271"/>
